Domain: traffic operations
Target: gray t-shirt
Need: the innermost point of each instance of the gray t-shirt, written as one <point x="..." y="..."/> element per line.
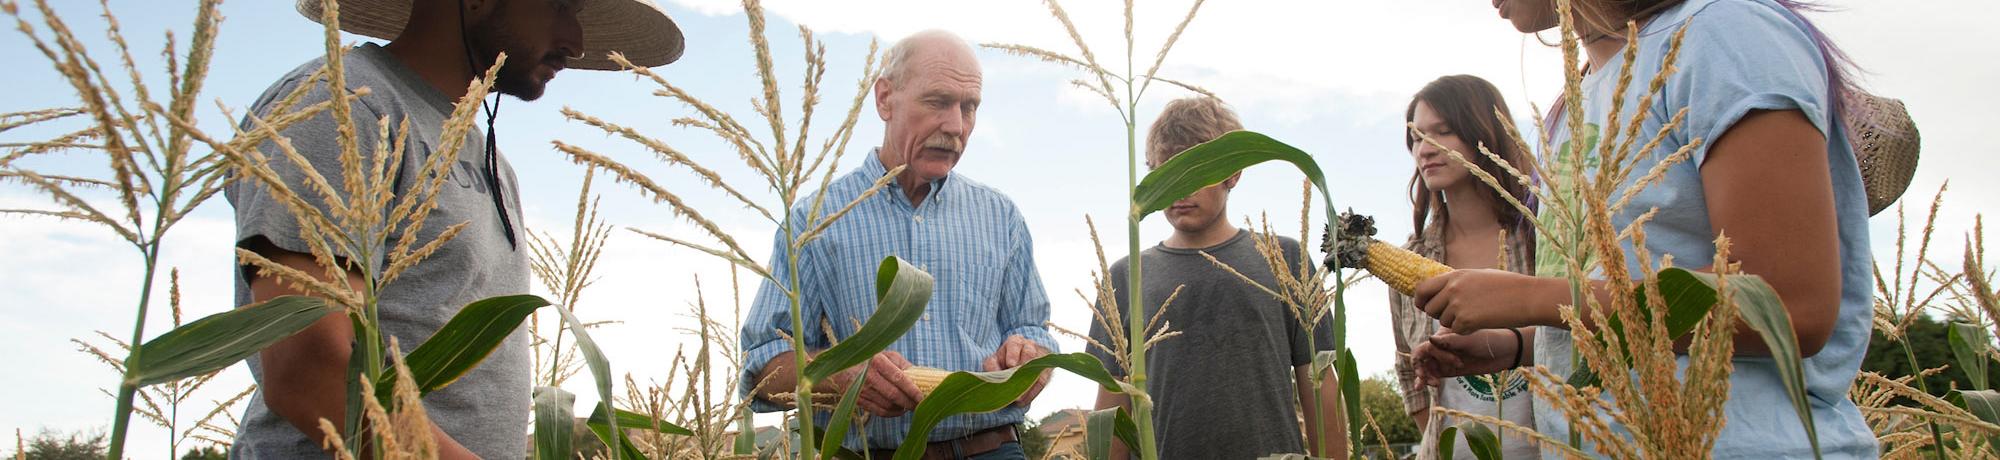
<point x="488" y="409"/>
<point x="1224" y="388"/>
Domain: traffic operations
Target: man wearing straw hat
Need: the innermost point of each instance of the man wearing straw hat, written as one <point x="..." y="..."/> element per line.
<point x="436" y="49"/>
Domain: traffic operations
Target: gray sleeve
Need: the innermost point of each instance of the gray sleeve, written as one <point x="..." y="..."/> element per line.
<point x="259" y="212"/>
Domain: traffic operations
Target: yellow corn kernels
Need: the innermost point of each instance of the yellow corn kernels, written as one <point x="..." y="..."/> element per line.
<point x="926" y="378"/>
<point x="1399" y="268"/>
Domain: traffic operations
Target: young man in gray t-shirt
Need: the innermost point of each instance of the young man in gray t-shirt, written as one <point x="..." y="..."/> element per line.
<point x="415" y="79"/>
<point x="1231" y="384"/>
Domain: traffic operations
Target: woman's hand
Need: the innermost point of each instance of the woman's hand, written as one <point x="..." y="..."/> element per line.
<point x="1449" y="354"/>
<point x="1471" y="300"/>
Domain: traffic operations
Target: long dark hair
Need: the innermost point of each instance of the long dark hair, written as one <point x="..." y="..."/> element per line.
<point x="1468" y="105"/>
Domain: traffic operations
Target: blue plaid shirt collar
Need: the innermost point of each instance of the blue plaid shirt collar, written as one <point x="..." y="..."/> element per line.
<point x="939" y="188"/>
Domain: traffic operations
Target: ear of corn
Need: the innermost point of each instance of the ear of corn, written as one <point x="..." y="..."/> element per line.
<point x="1399" y="268"/>
<point x="926" y="379"/>
<point x="1356" y="247"/>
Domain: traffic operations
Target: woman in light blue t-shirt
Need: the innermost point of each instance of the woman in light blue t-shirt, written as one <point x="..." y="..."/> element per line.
<point x="1763" y="93"/>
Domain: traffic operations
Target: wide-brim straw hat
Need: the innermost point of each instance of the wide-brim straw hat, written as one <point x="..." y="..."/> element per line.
<point x="637" y="28"/>
<point x="1886" y="145"/>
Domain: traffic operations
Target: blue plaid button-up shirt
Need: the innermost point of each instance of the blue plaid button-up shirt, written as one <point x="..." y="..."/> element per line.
<point x="967" y="235"/>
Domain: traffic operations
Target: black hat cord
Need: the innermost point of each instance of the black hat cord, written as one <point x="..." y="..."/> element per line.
<point x="492" y="144"/>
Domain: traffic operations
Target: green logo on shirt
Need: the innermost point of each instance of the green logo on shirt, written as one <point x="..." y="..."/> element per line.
<point x="1481" y="386"/>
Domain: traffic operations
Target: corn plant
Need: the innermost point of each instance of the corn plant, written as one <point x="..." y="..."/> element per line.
<point x="786" y="169"/>
<point x="154" y="174"/>
<point x="1898" y="305"/>
<point x="162" y="404"/>
<point x="158" y="180"/>
<point x="1911" y="419"/>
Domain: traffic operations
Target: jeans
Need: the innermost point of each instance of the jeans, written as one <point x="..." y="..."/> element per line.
<point x="1009" y="451"/>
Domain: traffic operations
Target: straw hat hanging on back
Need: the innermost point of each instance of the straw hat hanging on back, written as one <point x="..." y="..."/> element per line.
<point x="637" y="28"/>
<point x="1886" y="144"/>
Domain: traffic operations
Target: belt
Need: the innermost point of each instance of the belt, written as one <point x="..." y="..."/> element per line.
<point x="962" y="447"/>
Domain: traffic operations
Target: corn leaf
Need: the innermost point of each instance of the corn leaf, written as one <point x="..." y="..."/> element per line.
<point x="1970" y="344"/>
<point x="220" y="340"/>
<point x="468" y="338"/>
<point x="1984" y="404"/>
<point x="610" y="437"/>
<point x="1485" y="445"/>
<point x="1447" y="445"/>
<point x="636" y="421"/>
<point x="973" y="392"/>
<point x="555" y="421"/>
<point x="1350" y="395"/>
<point x="1760" y="308"/>
<point x="843" y="416"/>
<point x="1213" y="162"/>
<point x="901" y="293"/>
<point x="1105" y="424"/>
<point x="600" y="371"/>
<point x="746" y="433"/>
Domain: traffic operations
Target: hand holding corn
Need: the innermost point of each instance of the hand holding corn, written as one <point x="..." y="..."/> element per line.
<point x="1356" y="247"/>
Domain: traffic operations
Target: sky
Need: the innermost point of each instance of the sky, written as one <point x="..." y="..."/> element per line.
<point x="1331" y="77"/>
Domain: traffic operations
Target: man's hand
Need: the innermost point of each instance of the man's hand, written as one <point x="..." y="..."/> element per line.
<point x="1471" y="300"/>
<point x="1018" y="350"/>
<point x="1449" y="354"/>
<point x="887" y="393"/>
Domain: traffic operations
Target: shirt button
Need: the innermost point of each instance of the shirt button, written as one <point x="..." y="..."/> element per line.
<point x="927" y="317"/>
<point x="920" y="219"/>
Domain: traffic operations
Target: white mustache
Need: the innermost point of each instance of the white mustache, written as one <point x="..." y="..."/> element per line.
<point x="945" y="143"/>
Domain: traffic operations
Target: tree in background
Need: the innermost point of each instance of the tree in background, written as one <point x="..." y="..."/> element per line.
<point x="50" y="445"/>
<point x="1033" y="442"/>
<point x="1384" y="405"/>
<point x="206" y="453"/>
<point x="1932" y="348"/>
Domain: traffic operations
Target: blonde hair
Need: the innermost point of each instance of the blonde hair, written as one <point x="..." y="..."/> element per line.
<point x="1187" y="122"/>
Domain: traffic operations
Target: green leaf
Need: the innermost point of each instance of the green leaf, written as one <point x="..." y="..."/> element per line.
<point x="600" y="371"/>
<point x="843" y="416"/>
<point x="636" y="421"/>
<point x="1213" y="162"/>
<point x="1447" y="444"/>
<point x="901" y="292"/>
<point x="220" y="340"/>
<point x="1971" y="344"/>
<point x="1761" y="309"/>
<point x="1097" y="433"/>
<point x="623" y="447"/>
<point x="1485" y="445"/>
<point x="555" y="423"/>
<point x="1582" y="377"/>
<point x="468" y="338"/>
<point x="1350" y="396"/>
<point x="1984" y="404"/>
<point x="746" y="432"/>
<point x="972" y="392"/>
<point x="1105" y="424"/>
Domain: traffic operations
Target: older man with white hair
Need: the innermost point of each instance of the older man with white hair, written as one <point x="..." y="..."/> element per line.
<point x="988" y="309"/>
